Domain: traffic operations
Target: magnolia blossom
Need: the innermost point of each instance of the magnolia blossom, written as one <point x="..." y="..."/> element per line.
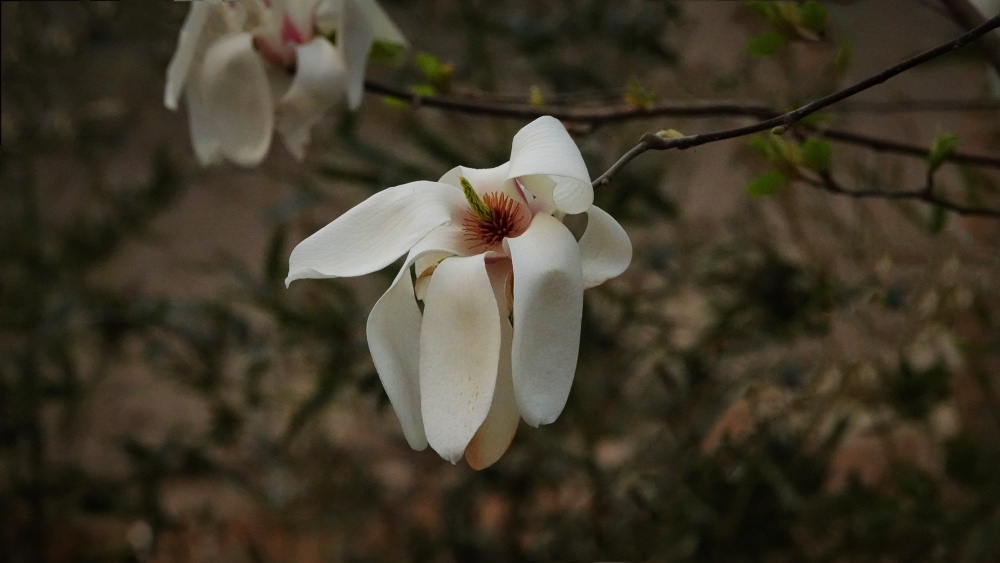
<point x="481" y="326"/>
<point x="247" y="67"/>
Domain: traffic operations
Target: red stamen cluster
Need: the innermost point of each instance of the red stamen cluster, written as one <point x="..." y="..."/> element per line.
<point x="505" y="218"/>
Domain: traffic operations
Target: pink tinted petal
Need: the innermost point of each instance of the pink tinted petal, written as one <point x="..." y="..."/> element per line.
<point x="459" y="354"/>
<point x="375" y="232"/>
<point x="548" y="311"/>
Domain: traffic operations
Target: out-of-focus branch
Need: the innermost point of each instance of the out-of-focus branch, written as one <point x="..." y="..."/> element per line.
<point x="651" y="141"/>
<point x="968" y="16"/>
<point x="926" y="194"/>
<point x="887" y="145"/>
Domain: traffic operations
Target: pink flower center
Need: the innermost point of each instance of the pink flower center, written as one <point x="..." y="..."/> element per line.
<point x="506" y="218"/>
<point x="280" y="50"/>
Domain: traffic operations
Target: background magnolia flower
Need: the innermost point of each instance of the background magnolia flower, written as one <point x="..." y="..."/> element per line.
<point x="247" y="67"/>
<point x="501" y="280"/>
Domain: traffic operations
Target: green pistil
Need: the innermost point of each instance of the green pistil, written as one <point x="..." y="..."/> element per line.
<point x="479" y="209"/>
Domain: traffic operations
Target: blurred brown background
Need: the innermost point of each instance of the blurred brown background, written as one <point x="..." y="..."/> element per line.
<point x="800" y="377"/>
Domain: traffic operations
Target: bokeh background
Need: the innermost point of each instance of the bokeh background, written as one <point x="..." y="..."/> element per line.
<point x="799" y="377"/>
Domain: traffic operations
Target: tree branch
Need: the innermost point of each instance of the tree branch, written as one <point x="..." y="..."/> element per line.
<point x="650" y="141"/>
<point x="926" y="194"/>
<point x="967" y="16"/>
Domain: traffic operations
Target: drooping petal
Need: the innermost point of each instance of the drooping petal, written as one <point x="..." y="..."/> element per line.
<point x="187" y="48"/>
<point x="374" y="233"/>
<point x="236" y="93"/>
<point x="605" y="249"/>
<point x="318" y="85"/>
<point x="459" y="354"/>
<point x="497" y="431"/>
<point x="394" y="336"/>
<point x="548" y="311"/>
<point x="547" y="161"/>
<point x="394" y="341"/>
<point x="382" y="26"/>
<point x="354" y="38"/>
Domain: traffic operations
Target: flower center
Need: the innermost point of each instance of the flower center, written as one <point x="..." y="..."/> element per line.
<point x="491" y="218"/>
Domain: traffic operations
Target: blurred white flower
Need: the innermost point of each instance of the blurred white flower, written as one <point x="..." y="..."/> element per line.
<point x="501" y="281"/>
<point x="247" y="67"/>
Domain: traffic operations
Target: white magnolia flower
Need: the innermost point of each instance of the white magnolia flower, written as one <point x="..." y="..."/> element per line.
<point x="501" y="281"/>
<point x="247" y="67"/>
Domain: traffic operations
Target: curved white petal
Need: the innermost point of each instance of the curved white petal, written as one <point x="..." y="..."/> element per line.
<point x="202" y="128"/>
<point x="548" y="311"/>
<point x="497" y="431"/>
<point x="394" y="341"/>
<point x="382" y="26"/>
<point x="394" y="336"/>
<point x="236" y="93"/>
<point x="374" y="233"/>
<point x="547" y="161"/>
<point x="187" y="47"/>
<point x="459" y="354"/>
<point x="605" y="249"/>
<point x="354" y="38"/>
<point x="318" y="85"/>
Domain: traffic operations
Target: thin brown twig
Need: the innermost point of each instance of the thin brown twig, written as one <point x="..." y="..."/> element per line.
<point x="926" y="194"/>
<point x="651" y="141"/>
<point x="967" y="16"/>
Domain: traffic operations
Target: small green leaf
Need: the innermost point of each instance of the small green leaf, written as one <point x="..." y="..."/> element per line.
<point x="767" y="44"/>
<point x="766" y="184"/>
<point x="393" y="102"/>
<point x="943" y="147"/>
<point x="814" y="17"/>
<point x="637" y="96"/>
<point x="423" y="90"/>
<point x="386" y="52"/>
<point x="816" y="154"/>
<point x="438" y="74"/>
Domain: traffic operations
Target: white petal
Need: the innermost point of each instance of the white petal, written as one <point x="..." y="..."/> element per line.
<point x="543" y="149"/>
<point x="187" y="47"/>
<point x="354" y="38"/>
<point x="497" y="431"/>
<point x="548" y="311"/>
<point x="394" y="341"/>
<point x="484" y="180"/>
<point x="382" y="26"/>
<point x="236" y="93"/>
<point x="394" y="336"/>
<point x="202" y="128"/>
<point x="459" y="354"/>
<point x="374" y="233"/>
<point x="605" y="249"/>
<point x="318" y="84"/>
